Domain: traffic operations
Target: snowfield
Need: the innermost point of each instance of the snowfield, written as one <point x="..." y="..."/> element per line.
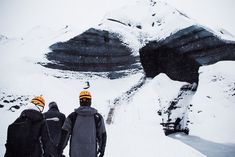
<point x="135" y="129"/>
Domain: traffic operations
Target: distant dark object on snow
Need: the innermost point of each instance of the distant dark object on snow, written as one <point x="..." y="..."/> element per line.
<point x="87" y="85"/>
<point x="9" y="101"/>
<point x="12" y="108"/>
<point x="173" y="127"/>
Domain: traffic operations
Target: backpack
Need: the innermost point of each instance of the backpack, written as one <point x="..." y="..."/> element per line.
<point x="20" y="140"/>
<point x="97" y="118"/>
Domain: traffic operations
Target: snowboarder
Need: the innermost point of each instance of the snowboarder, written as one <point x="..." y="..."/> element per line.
<point x="86" y="129"/>
<point x="54" y="121"/>
<point x="26" y="136"/>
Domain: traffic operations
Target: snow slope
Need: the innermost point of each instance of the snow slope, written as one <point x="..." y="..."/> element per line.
<point x="21" y="74"/>
<point x="149" y="20"/>
<point x="135" y="130"/>
<point x="214" y="103"/>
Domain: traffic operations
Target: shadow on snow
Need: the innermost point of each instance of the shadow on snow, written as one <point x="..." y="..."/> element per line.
<point x="208" y="148"/>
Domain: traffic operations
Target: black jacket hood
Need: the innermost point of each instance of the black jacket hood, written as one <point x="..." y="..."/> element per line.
<point x="85" y="111"/>
<point x="53" y="106"/>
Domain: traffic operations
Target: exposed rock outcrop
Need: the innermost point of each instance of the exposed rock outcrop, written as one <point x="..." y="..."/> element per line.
<point x="173" y="44"/>
<point x="13" y="102"/>
<point x="95" y="51"/>
<point x="3" y="38"/>
<point x="181" y="54"/>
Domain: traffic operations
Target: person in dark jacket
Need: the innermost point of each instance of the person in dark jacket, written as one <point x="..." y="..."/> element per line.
<point x="26" y="136"/>
<point x="86" y="129"/>
<point x="54" y="122"/>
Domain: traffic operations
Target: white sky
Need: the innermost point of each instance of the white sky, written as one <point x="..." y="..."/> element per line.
<point x="19" y="16"/>
<point x="213" y="13"/>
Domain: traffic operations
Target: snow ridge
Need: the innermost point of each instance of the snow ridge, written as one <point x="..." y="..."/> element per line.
<point x="147" y="21"/>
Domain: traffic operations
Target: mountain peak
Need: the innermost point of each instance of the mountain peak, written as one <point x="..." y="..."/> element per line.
<point x="149" y="20"/>
<point x="145" y="21"/>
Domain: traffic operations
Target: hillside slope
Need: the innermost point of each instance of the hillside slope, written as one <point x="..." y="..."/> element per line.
<point x="135" y="129"/>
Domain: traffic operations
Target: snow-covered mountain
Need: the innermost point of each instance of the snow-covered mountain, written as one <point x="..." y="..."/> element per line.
<point x="148" y="21"/>
<point x="158" y="36"/>
<point x="130" y="104"/>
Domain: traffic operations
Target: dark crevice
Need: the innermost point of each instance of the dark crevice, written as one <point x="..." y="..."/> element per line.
<point x="117" y="21"/>
<point x="166" y="60"/>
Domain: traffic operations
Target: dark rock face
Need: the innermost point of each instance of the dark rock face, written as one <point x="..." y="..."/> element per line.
<point x="181" y="54"/>
<point x="93" y="51"/>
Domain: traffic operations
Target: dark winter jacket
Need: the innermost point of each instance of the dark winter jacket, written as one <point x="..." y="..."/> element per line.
<point x="87" y="130"/>
<point x="36" y="130"/>
<point x="54" y="122"/>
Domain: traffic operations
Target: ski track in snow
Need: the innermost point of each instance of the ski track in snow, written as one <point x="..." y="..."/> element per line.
<point x="139" y="133"/>
<point x="125" y="98"/>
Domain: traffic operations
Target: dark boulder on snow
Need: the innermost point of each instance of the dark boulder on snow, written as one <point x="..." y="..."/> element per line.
<point x="3" y="38"/>
<point x="13" y="102"/>
<point x="181" y="54"/>
<point x="93" y="51"/>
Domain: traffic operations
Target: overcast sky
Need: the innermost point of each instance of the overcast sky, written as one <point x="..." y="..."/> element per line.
<point x="213" y="13"/>
<point x="19" y="16"/>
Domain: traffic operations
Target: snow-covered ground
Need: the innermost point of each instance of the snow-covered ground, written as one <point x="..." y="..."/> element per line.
<point x="135" y="129"/>
<point x="214" y="103"/>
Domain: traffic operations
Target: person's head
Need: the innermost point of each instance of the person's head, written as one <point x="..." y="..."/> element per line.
<point x="53" y="105"/>
<point x="39" y="102"/>
<point x="85" y="98"/>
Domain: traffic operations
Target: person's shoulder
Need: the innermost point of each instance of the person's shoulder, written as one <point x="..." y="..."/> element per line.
<point x="72" y="115"/>
<point x="98" y="116"/>
<point x="32" y="114"/>
<point x="62" y="114"/>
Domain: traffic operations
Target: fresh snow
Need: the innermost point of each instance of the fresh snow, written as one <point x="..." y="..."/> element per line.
<point x="214" y="103"/>
<point x="155" y="21"/>
<point x="145" y="21"/>
<point x="135" y="130"/>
